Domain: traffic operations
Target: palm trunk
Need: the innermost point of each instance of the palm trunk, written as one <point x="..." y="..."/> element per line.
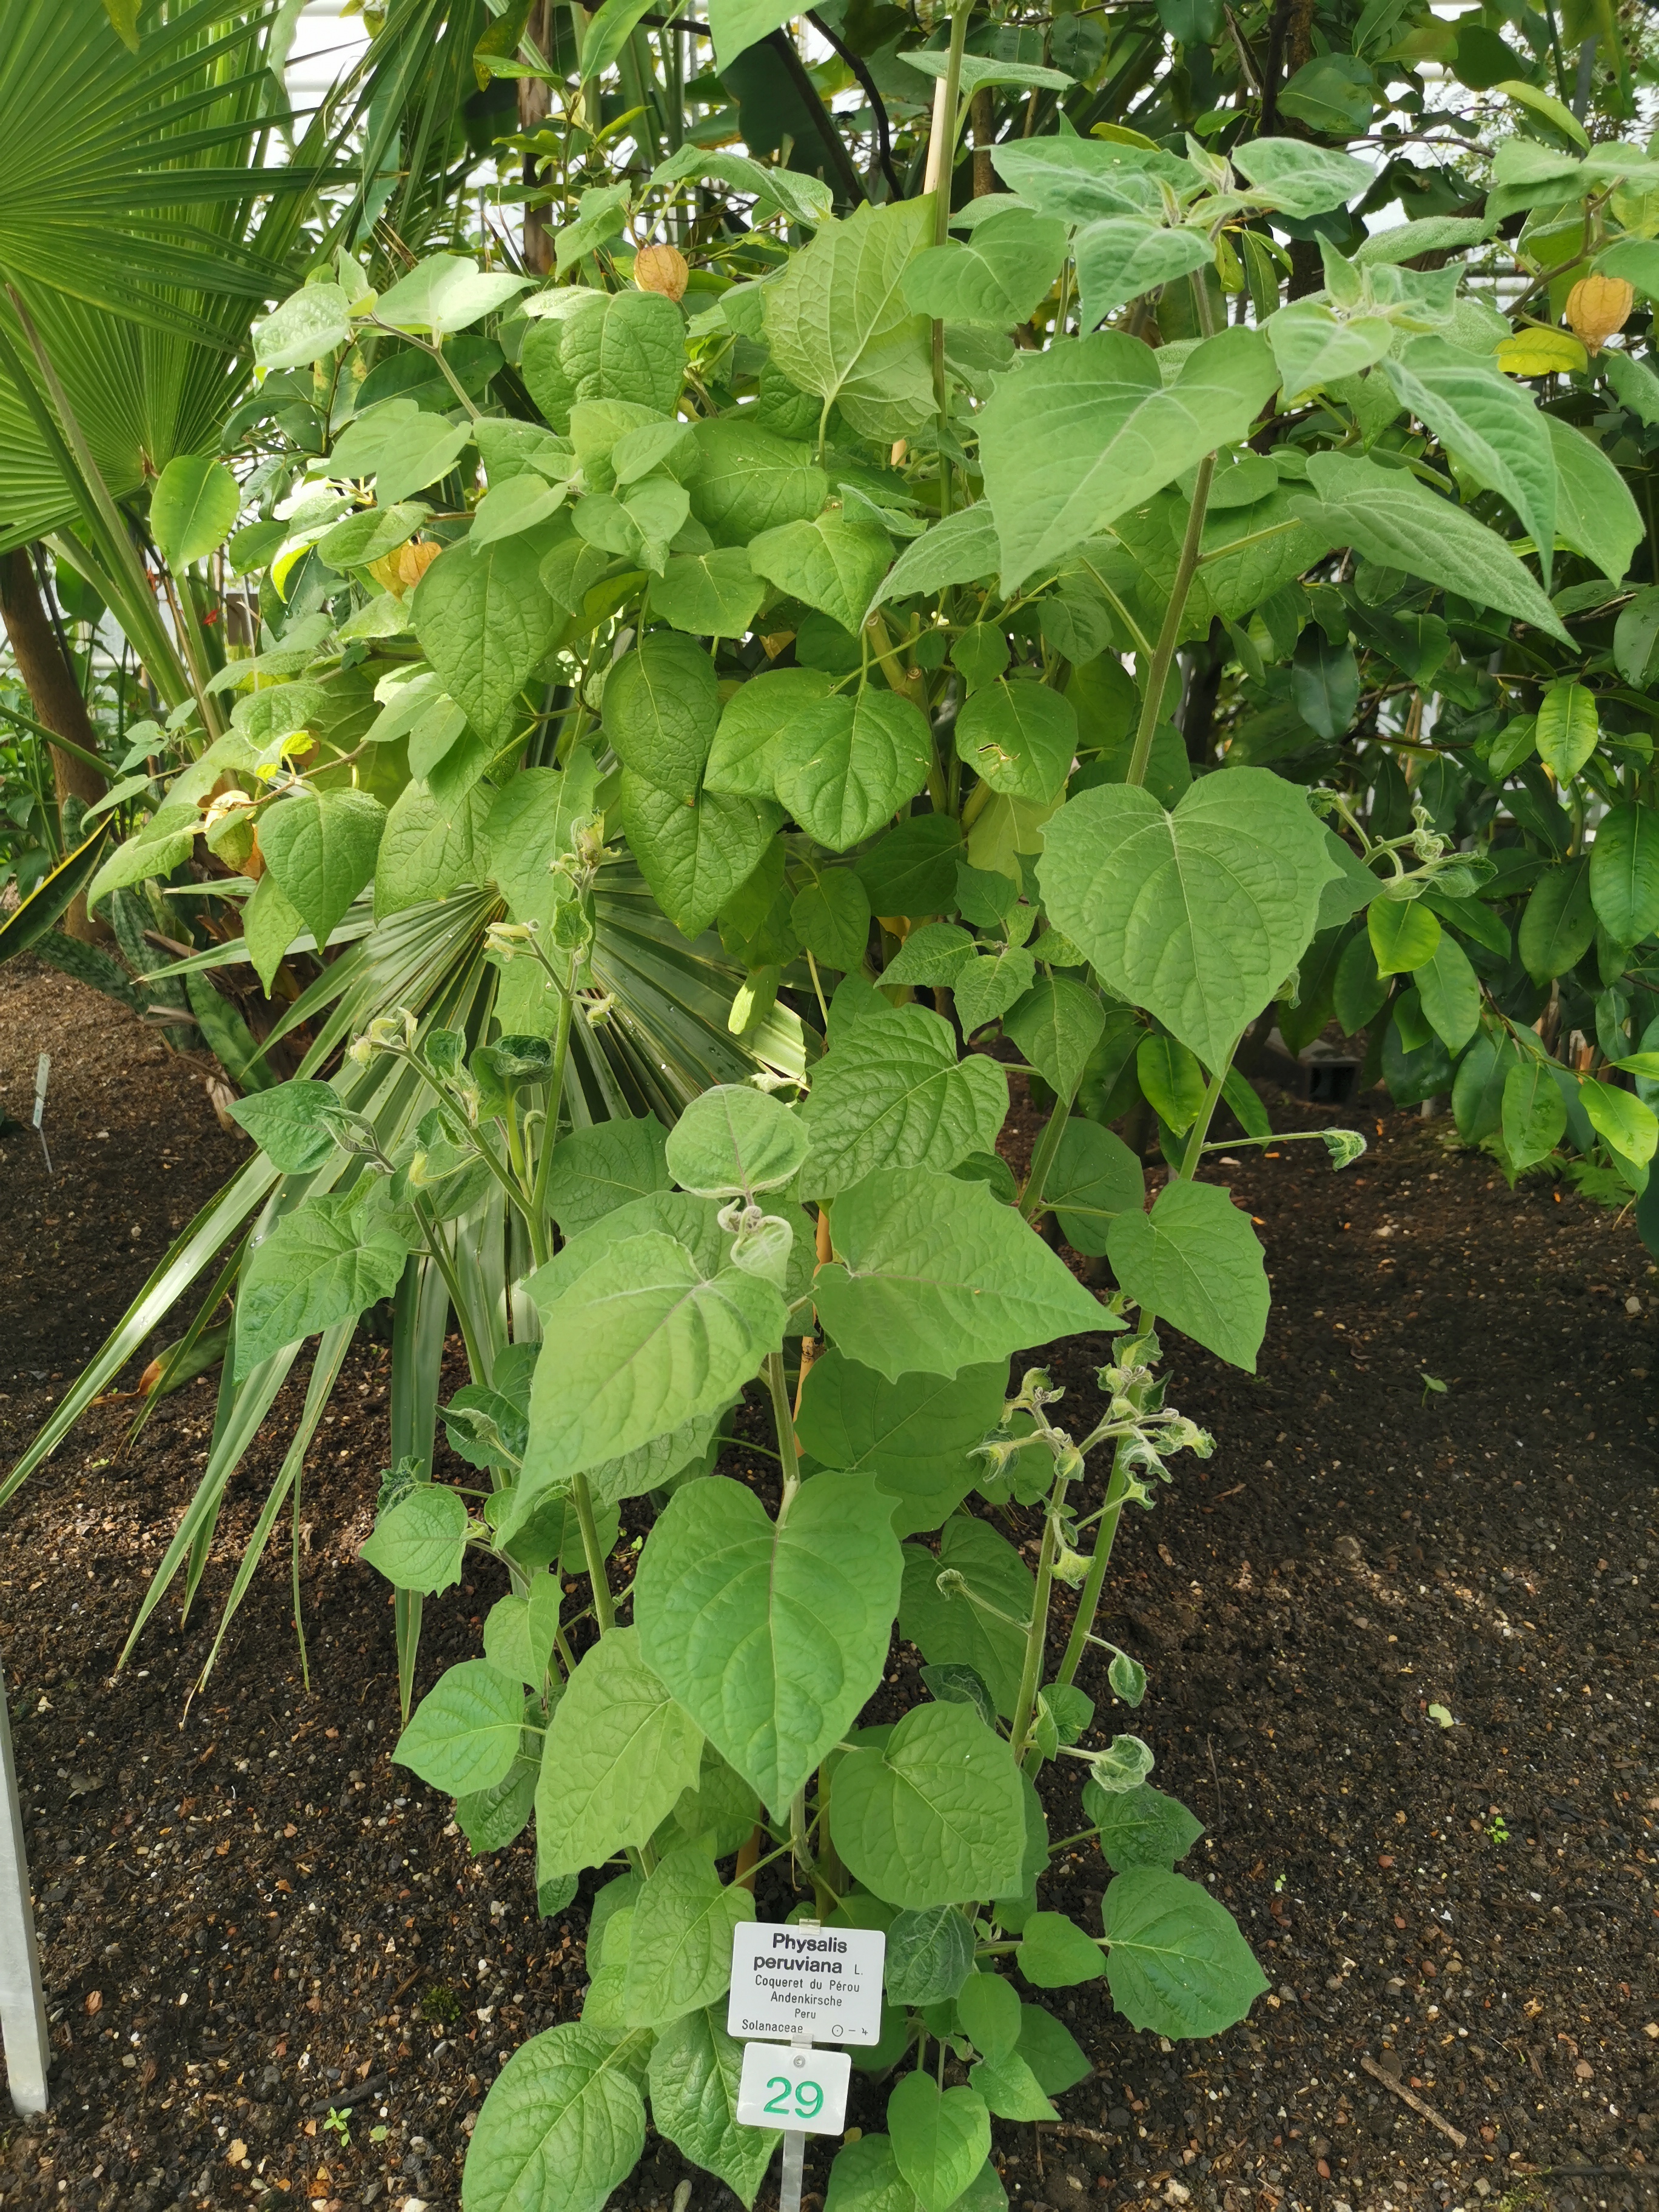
<point x="56" y="697"/>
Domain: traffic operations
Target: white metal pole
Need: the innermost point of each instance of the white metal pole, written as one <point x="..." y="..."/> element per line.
<point x="22" y="2003"/>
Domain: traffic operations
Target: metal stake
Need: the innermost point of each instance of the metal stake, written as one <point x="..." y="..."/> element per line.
<point x="22" y="2005"/>
<point x="794" y="2149"/>
<point x="42" y="1076"/>
<point x="795" y="2139"/>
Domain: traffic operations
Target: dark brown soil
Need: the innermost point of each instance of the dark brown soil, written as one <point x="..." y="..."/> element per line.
<point x="248" y="1916"/>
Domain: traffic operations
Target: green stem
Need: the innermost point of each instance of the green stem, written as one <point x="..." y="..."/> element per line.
<point x="1169" y="637"/>
<point x="1194" y="1151"/>
<point x="942" y="156"/>
<point x="783" y="1415"/>
<point x="446" y="1267"/>
<point x="1037" y="1637"/>
<point x="603" y="1613"/>
<point x="537" y="1217"/>
<point x="1111" y="1512"/>
<point x="63" y="745"/>
<point x="1044" y="1157"/>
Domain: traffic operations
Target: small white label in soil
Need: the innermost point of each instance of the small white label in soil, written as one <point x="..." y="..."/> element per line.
<point x="785" y="2086"/>
<point x="822" y="1984"/>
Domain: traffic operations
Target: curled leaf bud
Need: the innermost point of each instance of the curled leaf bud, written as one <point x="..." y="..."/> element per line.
<point x="1070" y="1567"/>
<point x="1596" y="308"/>
<point x="1068" y="1464"/>
<point x="998" y="1452"/>
<point x="662" y="268"/>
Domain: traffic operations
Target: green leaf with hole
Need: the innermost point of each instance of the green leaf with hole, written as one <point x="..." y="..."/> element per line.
<point x="935" y="1817"/>
<point x="1019" y="737"/>
<point x="619" y="1751"/>
<point x="771" y="1637"/>
<point x="1195" y="1263"/>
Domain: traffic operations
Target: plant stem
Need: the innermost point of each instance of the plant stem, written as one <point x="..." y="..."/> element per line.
<point x="1111" y="1512"/>
<point x="602" y="1611"/>
<point x="536" y="1222"/>
<point x="788" y="1450"/>
<point x="1164" y="652"/>
<point x="1088" y="1602"/>
<point x="941" y="165"/>
<point x="1044" y="1157"/>
<point x="1036" y="1635"/>
<point x="446" y="1267"/>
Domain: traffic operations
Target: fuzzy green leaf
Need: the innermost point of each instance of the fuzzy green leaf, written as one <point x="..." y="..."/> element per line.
<point x="772" y="1638"/>
<point x="932" y="1275"/>
<point x="619" y="1752"/>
